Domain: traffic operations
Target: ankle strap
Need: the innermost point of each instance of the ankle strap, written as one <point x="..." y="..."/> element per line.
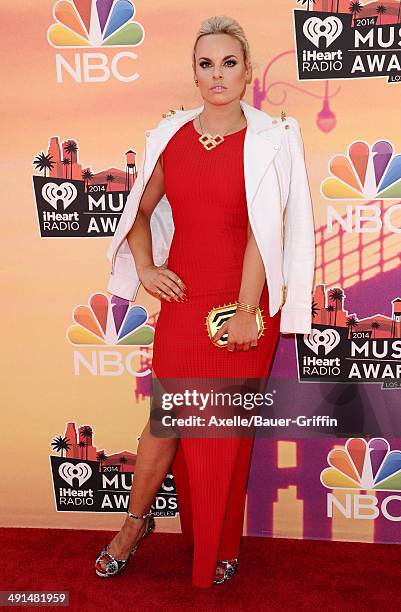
<point x="138" y="516"/>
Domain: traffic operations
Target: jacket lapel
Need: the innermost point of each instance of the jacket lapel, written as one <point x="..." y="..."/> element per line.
<point x="259" y="147"/>
<point x="259" y="152"/>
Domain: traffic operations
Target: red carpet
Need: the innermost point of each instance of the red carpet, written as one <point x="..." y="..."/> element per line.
<point x="274" y="574"/>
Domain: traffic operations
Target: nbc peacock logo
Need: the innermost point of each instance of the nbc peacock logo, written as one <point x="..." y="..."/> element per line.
<point x="364" y="173"/>
<point x="363" y="465"/>
<point x="368" y="466"/>
<point x="110" y="321"/>
<point x="95" y="23"/>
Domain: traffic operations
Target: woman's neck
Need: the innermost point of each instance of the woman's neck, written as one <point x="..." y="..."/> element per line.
<point x="222" y="118"/>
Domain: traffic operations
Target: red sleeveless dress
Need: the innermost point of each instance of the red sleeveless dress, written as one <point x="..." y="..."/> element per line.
<point x="206" y="191"/>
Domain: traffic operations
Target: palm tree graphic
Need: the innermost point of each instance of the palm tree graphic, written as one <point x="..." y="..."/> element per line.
<point x="122" y="461"/>
<point x="66" y="163"/>
<point x="336" y="296"/>
<point x="81" y="445"/>
<point x="351" y="323"/>
<point x="71" y="147"/>
<point x="314" y="309"/>
<point x="86" y="433"/>
<point x="380" y="10"/>
<point x="375" y="325"/>
<point x="44" y="162"/>
<point x="355" y="8"/>
<point x="101" y="457"/>
<point x="109" y="178"/>
<point x="61" y="445"/>
<point x="330" y="309"/>
<point x="306" y="2"/>
<point x="87" y="175"/>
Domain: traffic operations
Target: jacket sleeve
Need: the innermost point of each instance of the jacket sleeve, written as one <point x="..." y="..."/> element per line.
<point x="298" y="241"/>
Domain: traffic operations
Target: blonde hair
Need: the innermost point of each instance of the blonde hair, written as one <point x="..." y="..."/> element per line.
<point x="223" y="24"/>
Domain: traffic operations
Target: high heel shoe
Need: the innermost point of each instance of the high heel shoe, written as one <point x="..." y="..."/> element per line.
<point x="230" y="569"/>
<point x="115" y="566"/>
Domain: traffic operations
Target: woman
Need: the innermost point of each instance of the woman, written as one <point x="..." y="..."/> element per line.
<point x="204" y="226"/>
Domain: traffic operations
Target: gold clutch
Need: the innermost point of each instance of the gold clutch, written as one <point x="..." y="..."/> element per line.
<point x="219" y="315"/>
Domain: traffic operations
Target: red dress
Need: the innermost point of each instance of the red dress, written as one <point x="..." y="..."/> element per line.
<point x="206" y="191"/>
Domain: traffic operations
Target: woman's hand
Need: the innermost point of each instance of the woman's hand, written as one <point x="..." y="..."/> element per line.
<point x="242" y="331"/>
<point x="162" y="282"/>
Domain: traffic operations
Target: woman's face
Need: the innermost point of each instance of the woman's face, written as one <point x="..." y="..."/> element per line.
<point x="219" y="61"/>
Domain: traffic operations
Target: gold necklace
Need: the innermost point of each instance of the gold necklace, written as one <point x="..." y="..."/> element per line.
<point x="209" y="141"/>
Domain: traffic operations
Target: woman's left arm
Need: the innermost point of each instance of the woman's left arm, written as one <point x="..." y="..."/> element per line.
<point x="242" y="327"/>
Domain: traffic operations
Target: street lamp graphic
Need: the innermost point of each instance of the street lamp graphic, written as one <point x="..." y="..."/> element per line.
<point x="325" y="119"/>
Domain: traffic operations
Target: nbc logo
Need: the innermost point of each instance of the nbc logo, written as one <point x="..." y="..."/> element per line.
<point x="366" y="172"/>
<point x="85" y="24"/>
<point x="110" y="321"/>
<point x="368" y="466"/>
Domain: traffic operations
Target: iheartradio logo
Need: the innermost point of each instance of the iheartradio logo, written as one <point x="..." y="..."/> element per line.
<point x="329" y="28"/>
<point x="81" y="471"/>
<point x="329" y="339"/>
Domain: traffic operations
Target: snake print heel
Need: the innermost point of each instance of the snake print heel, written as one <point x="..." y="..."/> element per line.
<point x="230" y="569"/>
<point x="116" y="566"/>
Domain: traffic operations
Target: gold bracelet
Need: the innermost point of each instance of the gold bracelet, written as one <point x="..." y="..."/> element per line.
<point x="247" y="307"/>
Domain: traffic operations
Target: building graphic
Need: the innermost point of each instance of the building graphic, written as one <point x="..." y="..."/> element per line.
<point x="391" y="13"/>
<point x="328" y="310"/>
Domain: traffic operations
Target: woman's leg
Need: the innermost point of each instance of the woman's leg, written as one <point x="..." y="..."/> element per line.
<point x="183" y="489"/>
<point x="154" y="457"/>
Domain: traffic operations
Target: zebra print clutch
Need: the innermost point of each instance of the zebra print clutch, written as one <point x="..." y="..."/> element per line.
<point x="219" y="315"/>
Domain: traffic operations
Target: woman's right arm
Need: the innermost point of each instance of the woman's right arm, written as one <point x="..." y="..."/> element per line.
<point x="139" y="238"/>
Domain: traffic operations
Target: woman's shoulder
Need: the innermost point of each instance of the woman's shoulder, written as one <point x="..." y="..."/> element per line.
<point x="267" y="121"/>
<point x="175" y="114"/>
<point x="284" y="120"/>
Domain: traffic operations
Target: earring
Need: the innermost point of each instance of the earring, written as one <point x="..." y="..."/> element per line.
<point x="196" y="81"/>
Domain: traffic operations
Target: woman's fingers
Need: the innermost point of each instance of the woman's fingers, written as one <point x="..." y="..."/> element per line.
<point x="166" y="289"/>
<point x="161" y="294"/>
<point x="220" y="332"/>
<point x="175" y="279"/>
<point x="169" y="285"/>
<point x="233" y="346"/>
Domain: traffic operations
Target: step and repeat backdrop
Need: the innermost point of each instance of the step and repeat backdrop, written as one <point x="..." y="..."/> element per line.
<point x="84" y="80"/>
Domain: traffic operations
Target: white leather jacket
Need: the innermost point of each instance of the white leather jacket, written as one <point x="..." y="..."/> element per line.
<point x="279" y="211"/>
